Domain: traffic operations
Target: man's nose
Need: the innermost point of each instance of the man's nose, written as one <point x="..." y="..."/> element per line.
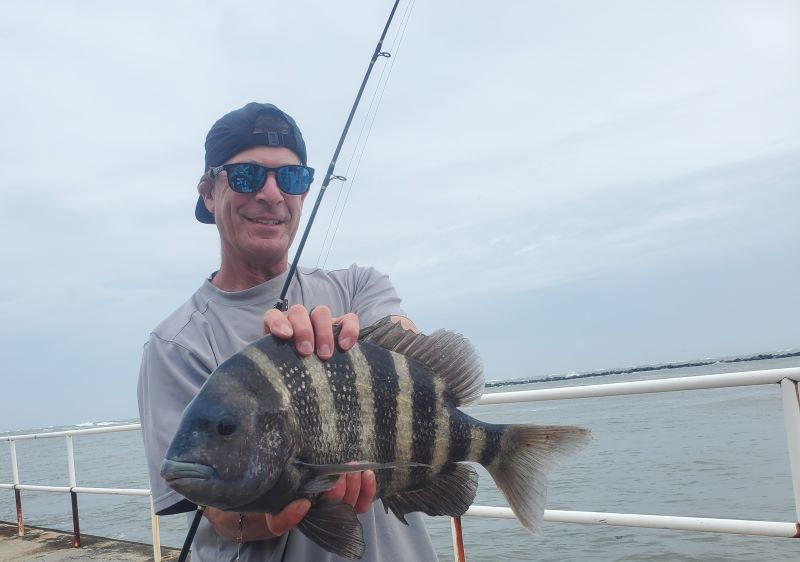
<point x="270" y="193"/>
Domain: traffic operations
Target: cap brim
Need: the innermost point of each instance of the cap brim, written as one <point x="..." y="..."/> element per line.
<point x="201" y="213"/>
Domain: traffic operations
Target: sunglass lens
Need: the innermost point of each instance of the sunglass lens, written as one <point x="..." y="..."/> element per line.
<point x="246" y="178"/>
<point x="294" y="180"/>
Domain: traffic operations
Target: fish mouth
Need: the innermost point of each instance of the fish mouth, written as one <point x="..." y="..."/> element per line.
<point x="177" y="470"/>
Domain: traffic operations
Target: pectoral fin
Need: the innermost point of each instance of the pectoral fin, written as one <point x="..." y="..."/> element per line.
<point x="315" y="470"/>
<point x="318" y="484"/>
<point x="449" y="493"/>
<point x="334" y="527"/>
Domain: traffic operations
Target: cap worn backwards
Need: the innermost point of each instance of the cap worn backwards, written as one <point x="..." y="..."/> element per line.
<point x="255" y="124"/>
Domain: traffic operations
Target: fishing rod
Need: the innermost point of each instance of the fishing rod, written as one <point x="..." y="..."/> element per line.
<point x="282" y="303"/>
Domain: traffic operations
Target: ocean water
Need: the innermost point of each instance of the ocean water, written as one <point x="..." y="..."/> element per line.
<point x="710" y="453"/>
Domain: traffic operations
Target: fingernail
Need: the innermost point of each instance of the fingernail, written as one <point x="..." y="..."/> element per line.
<point x="345" y="342"/>
<point x="324" y="349"/>
<point x="301" y="508"/>
<point x="284" y="331"/>
<point x="305" y="348"/>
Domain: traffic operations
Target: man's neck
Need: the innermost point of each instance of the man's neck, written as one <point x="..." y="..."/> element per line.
<point x="232" y="278"/>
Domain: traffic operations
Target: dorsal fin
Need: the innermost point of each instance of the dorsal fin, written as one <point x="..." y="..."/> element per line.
<point x="446" y="353"/>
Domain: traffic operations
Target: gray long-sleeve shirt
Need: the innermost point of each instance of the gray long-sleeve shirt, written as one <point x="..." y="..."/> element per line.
<point x="210" y="327"/>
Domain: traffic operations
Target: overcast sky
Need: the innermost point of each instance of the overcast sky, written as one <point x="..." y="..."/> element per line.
<point x="572" y="185"/>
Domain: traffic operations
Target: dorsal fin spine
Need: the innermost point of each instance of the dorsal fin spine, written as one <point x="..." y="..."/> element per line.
<point x="449" y="355"/>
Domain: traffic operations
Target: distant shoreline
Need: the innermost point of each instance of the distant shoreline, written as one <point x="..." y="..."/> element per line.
<point x="644" y="368"/>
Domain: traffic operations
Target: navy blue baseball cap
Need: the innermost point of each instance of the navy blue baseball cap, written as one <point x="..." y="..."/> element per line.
<point x="255" y="124"/>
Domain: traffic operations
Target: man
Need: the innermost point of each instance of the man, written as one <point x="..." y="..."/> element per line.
<point x="253" y="189"/>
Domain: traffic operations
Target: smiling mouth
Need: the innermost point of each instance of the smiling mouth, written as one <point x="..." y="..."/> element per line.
<point x="269" y="222"/>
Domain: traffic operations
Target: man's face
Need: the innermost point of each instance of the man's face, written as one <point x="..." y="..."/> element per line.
<point x="256" y="229"/>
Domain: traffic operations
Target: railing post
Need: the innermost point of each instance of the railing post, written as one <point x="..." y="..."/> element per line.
<point x="791" y="416"/>
<point x="76" y="528"/>
<point x="15" y="482"/>
<point x="458" y="540"/>
<point x="156" y="535"/>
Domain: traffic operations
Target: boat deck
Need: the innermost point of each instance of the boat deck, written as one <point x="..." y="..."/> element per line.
<point x="50" y="545"/>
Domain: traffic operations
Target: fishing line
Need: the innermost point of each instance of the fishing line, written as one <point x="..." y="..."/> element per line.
<point x="347" y="174"/>
<point x="190" y="535"/>
<point x="398" y="40"/>
<point x="364" y="123"/>
<point x="351" y="185"/>
<point x="282" y="303"/>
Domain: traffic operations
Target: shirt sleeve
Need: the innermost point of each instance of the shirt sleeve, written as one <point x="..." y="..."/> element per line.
<point x="169" y="378"/>
<point x="372" y="295"/>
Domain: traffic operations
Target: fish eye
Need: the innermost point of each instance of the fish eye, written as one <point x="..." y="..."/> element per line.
<point x="226" y="425"/>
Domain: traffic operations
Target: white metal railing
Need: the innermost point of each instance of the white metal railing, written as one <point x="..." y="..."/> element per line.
<point x="786" y="378"/>
<point x="73" y="489"/>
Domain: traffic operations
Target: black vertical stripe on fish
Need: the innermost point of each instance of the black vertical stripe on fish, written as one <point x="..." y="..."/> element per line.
<point x="424" y="410"/>
<point x="460" y="436"/>
<point x="256" y="381"/>
<point x="298" y="381"/>
<point x="384" y="397"/>
<point x="267" y="369"/>
<point x="491" y="445"/>
<point x="342" y="380"/>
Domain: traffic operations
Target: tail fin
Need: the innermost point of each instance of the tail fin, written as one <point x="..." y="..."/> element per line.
<point x="526" y="453"/>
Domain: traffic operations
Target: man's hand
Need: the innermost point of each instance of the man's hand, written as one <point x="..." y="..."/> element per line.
<point x="257" y="526"/>
<point x="312" y="331"/>
<point x="315" y="330"/>
<point x="355" y="488"/>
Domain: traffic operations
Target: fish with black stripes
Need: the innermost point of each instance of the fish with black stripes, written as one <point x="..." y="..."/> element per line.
<point x="270" y="426"/>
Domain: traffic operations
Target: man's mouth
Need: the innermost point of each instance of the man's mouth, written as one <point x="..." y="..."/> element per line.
<point x="273" y="222"/>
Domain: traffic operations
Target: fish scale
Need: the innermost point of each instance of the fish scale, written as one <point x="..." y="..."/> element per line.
<point x="344" y="389"/>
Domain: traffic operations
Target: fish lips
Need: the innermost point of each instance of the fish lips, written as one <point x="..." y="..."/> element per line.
<point x="174" y="471"/>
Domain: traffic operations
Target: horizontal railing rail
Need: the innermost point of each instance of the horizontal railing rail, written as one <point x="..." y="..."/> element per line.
<point x="87" y="431"/>
<point x="699" y="382"/>
<point x="674" y="522"/>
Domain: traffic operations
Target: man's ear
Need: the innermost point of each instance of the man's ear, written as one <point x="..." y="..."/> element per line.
<point x="205" y="188"/>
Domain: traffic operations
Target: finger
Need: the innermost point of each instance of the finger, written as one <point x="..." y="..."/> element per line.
<point x="349" y="332"/>
<point x="288" y="518"/>
<point x="367" y="493"/>
<point x="323" y="331"/>
<point x="301" y="326"/>
<point x="276" y="323"/>
<point x="353" y="480"/>
<point x="337" y="492"/>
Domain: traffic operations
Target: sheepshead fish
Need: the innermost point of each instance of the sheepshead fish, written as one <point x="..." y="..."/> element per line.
<point x="270" y="426"/>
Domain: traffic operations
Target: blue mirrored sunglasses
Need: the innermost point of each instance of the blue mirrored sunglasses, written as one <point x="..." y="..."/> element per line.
<point x="249" y="178"/>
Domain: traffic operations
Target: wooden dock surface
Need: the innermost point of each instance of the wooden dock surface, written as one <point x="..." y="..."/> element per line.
<point x="50" y="545"/>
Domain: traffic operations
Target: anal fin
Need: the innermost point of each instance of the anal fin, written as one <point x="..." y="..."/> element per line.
<point x="450" y="492"/>
<point x="334" y="527"/>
